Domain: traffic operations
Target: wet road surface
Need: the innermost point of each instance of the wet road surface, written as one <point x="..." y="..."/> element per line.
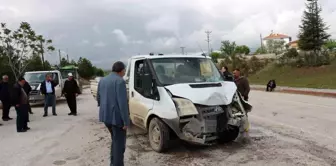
<point x="285" y="129"/>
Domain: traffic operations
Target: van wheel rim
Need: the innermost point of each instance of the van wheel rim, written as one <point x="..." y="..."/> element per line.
<point x="156" y="137"/>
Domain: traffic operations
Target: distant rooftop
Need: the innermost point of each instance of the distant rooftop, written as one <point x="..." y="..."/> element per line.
<point x="276" y="36"/>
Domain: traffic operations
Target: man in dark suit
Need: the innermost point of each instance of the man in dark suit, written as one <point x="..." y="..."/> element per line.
<point x="71" y="91"/>
<point x="113" y="111"/>
<point x="20" y="101"/>
<point x="27" y="88"/>
<point x="5" y="98"/>
<point x="48" y="90"/>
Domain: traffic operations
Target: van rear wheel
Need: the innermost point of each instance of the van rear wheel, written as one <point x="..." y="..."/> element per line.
<point x="159" y="135"/>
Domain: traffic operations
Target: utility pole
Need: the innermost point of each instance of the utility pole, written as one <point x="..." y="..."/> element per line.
<point x="60" y="58"/>
<point x="67" y="56"/>
<point x="261" y="43"/>
<point x="42" y="54"/>
<point x="208" y="40"/>
<point x="182" y="50"/>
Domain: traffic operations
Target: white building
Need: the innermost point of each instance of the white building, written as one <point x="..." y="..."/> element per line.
<point x="277" y="36"/>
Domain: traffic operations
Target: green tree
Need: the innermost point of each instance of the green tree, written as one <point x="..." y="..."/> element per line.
<point x="261" y="50"/>
<point x="312" y="35"/>
<point x="228" y="48"/>
<point x="330" y="45"/>
<point x="99" y="72"/>
<point x="275" y="46"/>
<point x="18" y="45"/>
<point x="85" y="68"/>
<point x="243" y="49"/>
<point x="44" y="46"/>
<point x="214" y="56"/>
<point x="64" y="62"/>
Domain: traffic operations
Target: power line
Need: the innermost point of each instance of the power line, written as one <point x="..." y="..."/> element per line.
<point x="208" y="40"/>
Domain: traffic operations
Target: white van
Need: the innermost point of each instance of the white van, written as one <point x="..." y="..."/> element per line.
<point x="183" y="96"/>
<point x="35" y="78"/>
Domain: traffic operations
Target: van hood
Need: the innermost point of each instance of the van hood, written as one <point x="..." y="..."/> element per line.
<point x="211" y="94"/>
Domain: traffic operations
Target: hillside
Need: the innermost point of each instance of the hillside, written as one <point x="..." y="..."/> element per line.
<point x="323" y="77"/>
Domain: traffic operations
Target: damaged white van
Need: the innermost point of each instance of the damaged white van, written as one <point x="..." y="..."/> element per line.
<point x="183" y="96"/>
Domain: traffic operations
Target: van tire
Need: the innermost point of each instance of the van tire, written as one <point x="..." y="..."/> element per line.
<point x="158" y="134"/>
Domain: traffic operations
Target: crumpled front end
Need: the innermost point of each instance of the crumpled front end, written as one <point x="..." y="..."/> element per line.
<point x="206" y="124"/>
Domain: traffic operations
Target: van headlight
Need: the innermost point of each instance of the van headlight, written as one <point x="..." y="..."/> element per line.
<point x="185" y="107"/>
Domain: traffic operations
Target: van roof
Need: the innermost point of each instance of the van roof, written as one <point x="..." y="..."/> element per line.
<point x="50" y="71"/>
<point x="168" y="56"/>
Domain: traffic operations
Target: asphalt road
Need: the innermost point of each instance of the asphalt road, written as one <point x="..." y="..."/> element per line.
<point x="285" y="130"/>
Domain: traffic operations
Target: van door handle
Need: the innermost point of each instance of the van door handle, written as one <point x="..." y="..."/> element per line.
<point x="132" y="94"/>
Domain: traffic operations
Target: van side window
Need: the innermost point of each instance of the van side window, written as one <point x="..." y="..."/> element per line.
<point x="142" y="70"/>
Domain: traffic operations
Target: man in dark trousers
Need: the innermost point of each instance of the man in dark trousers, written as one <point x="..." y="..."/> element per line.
<point x="27" y="88"/>
<point x="113" y="111"/>
<point x="48" y="90"/>
<point x="71" y="91"/>
<point x="20" y="101"/>
<point x="242" y="83"/>
<point x="5" y="98"/>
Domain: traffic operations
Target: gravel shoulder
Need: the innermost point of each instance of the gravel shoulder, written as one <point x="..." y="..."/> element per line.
<point x="286" y="129"/>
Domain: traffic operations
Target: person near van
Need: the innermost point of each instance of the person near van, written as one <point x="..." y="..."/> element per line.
<point x="227" y="75"/>
<point x="48" y="90"/>
<point x="242" y="83"/>
<point x="71" y="91"/>
<point x="113" y="111"/>
<point x="20" y="101"/>
<point x="5" y="98"/>
<point x="27" y="88"/>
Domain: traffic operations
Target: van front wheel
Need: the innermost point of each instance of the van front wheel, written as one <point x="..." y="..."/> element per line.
<point x="158" y="134"/>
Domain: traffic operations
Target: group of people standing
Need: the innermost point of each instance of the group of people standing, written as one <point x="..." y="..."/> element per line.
<point x="18" y="97"/>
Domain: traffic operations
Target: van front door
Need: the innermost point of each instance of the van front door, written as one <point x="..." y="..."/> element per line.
<point x="139" y="102"/>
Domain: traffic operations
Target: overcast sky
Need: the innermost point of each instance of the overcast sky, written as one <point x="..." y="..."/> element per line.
<point x="105" y="31"/>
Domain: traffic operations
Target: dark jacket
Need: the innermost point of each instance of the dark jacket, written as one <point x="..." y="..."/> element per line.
<point x="70" y="87"/>
<point x="228" y="76"/>
<point x="17" y="95"/>
<point x="27" y="88"/>
<point x="243" y="87"/>
<point x="4" y="91"/>
<point x="43" y="88"/>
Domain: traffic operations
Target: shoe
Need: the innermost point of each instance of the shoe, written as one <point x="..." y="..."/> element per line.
<point x="45" y="115"/>
<point x="22" y="131"/>
<point x="74" y="114"/>
<point x="1" y="124"/>
<point x="28" y="128"/>
<point x="31" y="112"/>
<point x="10" y="118"/>
<point x="70" y="113"/>
<point x="55" y="114"/>
<point x="5" y="119"/>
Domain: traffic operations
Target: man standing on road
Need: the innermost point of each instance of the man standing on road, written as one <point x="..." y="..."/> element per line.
<point x="5" y="98"/>
<point x="113" y="103"/>
<point x="27" y="88"/>
<point x="48" y="90"/>
<point x="20" y="101"/>
<point x="242" y="83"/>
<point x="71" y="91"/>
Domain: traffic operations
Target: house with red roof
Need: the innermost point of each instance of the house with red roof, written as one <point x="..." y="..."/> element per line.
<point x="277" y="36"/>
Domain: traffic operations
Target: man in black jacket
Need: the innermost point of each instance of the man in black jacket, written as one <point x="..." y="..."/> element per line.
<point x="71" y="91"/>
<point x="48" y="90"/>
<point x="227" y="75"/>
<point x="5" y="98"/>
<point x="27" y="88"/>
<point x="20" y="101"/>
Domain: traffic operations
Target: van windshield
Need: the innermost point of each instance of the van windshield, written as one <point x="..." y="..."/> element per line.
<point x="185" y="70"/>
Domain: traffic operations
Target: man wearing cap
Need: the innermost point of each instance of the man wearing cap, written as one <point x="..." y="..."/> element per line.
<point x="5" y="98"/>
<point x="71" y="91"/>
<point x="20" y="101"/>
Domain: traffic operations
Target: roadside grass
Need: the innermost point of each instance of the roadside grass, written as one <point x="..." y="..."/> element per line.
<point x="323" y="77"/>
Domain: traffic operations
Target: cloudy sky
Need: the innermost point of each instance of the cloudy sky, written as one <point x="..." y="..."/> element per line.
<point x="108" y="30"/>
